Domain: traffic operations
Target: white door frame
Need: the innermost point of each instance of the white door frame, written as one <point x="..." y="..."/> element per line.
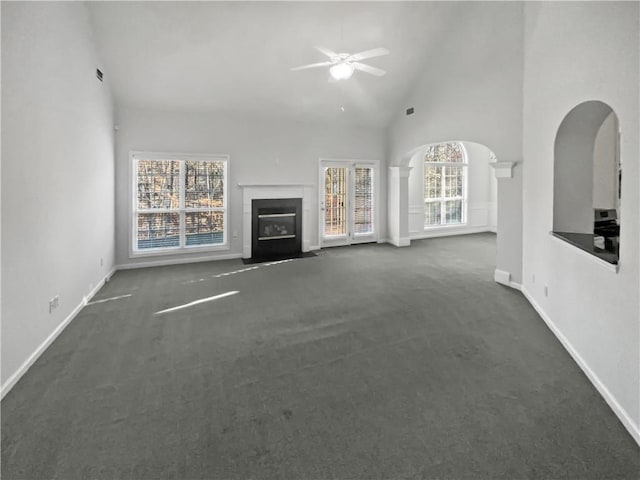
<point x="350" y="164"/>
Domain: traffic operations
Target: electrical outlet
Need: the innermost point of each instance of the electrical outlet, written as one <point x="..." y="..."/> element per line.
<point x="546" y="291"/>
<point x="235" y="234"/>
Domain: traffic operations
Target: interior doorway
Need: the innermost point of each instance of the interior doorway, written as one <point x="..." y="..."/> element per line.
<point x="348" y="202"/>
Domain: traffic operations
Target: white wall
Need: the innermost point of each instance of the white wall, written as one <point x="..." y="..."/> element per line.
<point x="471" y="89"/>
<point x="605" y="164"/>
<point x="57" y="173"/>
<point x="481" y="194"/>
<point x="269" y="151"/>
<point x="575" y="52"/>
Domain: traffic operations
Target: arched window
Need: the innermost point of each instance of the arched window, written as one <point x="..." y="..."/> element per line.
<point x="445" y="170"/>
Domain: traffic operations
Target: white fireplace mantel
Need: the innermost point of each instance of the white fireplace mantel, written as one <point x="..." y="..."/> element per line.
<point x="251" y="191"/>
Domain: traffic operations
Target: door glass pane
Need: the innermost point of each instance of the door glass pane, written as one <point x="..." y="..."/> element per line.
<point x="335" y="201"/>
<point x="363" y="208"/>
<point x="158" y="230"/>
<point x="453" y="211"/>
<point x="431" y="213"/>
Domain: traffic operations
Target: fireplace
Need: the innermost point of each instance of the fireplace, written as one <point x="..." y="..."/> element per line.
<point x="276" y="227"/>
<point x="269" y="191"/>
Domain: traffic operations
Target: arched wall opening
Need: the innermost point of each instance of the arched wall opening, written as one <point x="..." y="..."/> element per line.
<point x="586" y="183"/>
<point x="504" y="207"/>
<point x="479" y="193"/>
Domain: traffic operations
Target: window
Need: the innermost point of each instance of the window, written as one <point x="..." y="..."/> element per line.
<point x="445" y="166"/>
<point x="179" y="202"/>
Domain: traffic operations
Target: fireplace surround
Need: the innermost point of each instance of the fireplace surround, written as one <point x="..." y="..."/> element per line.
<point x="252" y="192"/>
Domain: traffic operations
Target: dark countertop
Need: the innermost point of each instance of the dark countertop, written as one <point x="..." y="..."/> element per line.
<point x="584" y="241"/>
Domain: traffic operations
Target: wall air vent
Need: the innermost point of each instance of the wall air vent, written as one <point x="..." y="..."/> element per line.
<point x="98" y="74"/>
<point x="410" y="111"/>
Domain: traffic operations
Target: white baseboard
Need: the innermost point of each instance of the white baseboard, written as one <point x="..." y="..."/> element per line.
<point x="400" y="241"/>
<point x="176" y="261"/>
<point x="447" y="232"/>
<point x="504" y="278"/>
<point x="13" y="379"/>
<point x="621" y="413"/>
<point x="515" y="286"/>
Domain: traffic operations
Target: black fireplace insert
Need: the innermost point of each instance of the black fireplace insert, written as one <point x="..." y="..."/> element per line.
<point x="276" y="228"/>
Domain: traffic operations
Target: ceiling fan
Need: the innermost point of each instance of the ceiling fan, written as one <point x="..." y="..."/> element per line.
<point x="344" y="64"/>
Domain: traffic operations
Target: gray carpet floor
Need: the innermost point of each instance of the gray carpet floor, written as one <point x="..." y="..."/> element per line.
<point x="365" y="362"/>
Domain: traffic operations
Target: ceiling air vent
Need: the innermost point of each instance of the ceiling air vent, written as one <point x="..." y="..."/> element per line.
<point x="410" y="111"/>
<point x="98" y="74"/>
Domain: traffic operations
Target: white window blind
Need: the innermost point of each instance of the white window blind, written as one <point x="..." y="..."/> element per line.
<point x="335" y="199"/>
<point x="363" y="208"/>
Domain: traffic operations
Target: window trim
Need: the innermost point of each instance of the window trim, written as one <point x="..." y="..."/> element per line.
<point x="465" y="174"/>
<point x="133" y="210"/>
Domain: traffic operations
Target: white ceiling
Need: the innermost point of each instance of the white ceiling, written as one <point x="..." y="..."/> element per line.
<point x="236" y="56"/>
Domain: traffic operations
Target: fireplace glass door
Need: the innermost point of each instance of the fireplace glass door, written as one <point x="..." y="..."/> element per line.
<point x="275" y="226"/>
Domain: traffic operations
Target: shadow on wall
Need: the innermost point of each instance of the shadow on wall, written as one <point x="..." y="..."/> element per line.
<point x="452" y="189"/>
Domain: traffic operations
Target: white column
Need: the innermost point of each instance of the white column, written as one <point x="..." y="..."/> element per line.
<point x="398" y="205"/>
<point x="509" y="226"/>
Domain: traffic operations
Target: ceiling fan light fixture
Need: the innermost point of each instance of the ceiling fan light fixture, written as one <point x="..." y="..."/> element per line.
<point x="341" y="71"/>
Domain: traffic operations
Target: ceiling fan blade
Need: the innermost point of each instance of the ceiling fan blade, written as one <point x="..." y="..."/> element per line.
<point x="376" y="52"/>
<point x="327" y="52"/>
<point x="311" y="65"/>
<point x="378" y="72"/>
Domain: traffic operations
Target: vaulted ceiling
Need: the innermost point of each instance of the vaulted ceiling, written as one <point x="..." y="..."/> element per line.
<point x="236" y="56"/>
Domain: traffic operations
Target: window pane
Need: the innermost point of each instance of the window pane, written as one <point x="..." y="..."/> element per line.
<point x="158" y="184"/>
<point x="335" y="201"/>
<point x="452" y="182"/>
<point x="363" y="201"/>
<point x="204" y="228"/>
<point x="453" y="211"/>
<point x="204" y="184"/>
<point x="432" y="181"/>
<point x="445" y="152"/>
<point x="158" y="230"/>
<point x="431" y="213"/>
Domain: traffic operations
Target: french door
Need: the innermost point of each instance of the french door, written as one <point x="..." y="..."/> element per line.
<point x="347" y="203"/>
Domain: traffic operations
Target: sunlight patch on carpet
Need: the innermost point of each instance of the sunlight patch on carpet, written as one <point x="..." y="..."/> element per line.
<point x="109" y="299"/>
<point x="197" y="302"/>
